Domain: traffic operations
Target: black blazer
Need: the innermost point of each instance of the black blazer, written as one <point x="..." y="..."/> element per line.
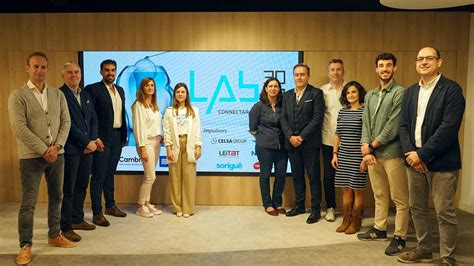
<point x="304" y="119"/>
<point x="83" y="122"/>
<point x="105" y="112"/>
<point x="439" y="133"/>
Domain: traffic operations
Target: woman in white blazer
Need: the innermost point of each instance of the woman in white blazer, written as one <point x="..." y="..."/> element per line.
<point x="147" y="132"/>
<point x="183" y="143"/>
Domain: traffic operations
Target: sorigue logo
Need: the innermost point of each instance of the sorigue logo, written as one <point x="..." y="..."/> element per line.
<point x="230" y="166"/>
<point x="232" y="154"/>
<point x="218" y="140"/>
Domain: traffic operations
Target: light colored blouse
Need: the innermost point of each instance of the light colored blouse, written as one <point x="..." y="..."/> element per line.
<point x="146" y="123"/>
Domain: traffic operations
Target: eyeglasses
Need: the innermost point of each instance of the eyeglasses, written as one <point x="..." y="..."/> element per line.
<point x="428" y="58"/>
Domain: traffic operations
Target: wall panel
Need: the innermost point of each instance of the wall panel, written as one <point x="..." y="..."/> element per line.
<point x="355" y="37"/>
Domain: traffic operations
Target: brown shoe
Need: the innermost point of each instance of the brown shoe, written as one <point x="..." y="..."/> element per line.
<point x="281" y="210"/>
<point x="61" y="241"/>
<point x="83" y="226"/>
<point x="272" y="212"/>
<point x="71" y="235"/>
<point x="356" y="221"/>
<point x="100" y="220"/>
<point x="346" y="220"/>
<point x="24" y="257"/>
<point x="114" y="211"/>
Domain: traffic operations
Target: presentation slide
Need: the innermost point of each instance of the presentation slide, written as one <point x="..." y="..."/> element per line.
<point x="224" y="85"/>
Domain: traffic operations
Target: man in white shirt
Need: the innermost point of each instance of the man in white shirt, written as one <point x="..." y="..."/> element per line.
<point x="40" y="120"/>
<point x="430" y="120"/>
<point x="332" y="94"/>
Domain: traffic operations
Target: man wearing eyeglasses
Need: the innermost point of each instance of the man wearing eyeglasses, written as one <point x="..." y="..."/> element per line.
<point x="431" y="116"/>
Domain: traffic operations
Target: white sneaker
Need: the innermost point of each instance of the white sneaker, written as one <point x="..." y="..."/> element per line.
<point x="144" y="212"/>
<point x="186" y="215"/>
<point x="153" y="210"/>
<point x="179" y="214"/>
<point x="330" y="215"/>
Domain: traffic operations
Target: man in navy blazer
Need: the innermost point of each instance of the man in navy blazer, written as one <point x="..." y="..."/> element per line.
<point x="109" y="102"/>
<point x="80" y="145"/>
<point x="430" y="120"/>
<point x="301" y="119"/>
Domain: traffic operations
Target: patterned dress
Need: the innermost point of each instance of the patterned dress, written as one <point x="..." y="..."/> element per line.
<point x="349" y="129"/>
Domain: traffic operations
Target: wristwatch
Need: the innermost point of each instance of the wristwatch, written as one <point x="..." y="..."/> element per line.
<point x="372" y="148"/>
<point x="59" y="146"/>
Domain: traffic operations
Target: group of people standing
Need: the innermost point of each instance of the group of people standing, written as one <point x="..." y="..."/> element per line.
<point x="406" y="139"/>
<point x="69" y="133"/>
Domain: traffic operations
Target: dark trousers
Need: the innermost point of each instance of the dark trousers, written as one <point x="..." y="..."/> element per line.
<point x="269" y="158"/>
<point x="302" y="159"/>
<point x="104" y="165"/>
<point x="329" y="174"/>
<point x="76" y="179"/>
<point x="30" y="172"/>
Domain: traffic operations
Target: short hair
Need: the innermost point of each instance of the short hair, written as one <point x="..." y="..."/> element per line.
<point x="264" y="95"/>
<point x="108" y="62"/>
<point x="36" y="53"/>
<point x="336" y="61"/>
<point x="70" y="63"/>
<point x="385" y="56"/>
<point x="343" y="100"/>
<point x="438" y="54"/>
<point x="302" y="65"/>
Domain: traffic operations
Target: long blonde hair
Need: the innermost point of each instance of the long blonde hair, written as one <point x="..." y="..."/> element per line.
<point x="187" y="101"/>
<point x="141" y="95"/>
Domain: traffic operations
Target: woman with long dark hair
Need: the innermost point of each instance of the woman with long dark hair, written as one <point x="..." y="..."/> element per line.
<point x="351" y="171"/>
<point x="264" y="123"/>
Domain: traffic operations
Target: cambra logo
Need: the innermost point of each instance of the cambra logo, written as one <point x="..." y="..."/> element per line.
<point x="217" y="140"/>
<point x="129" y="159"/>
<point x="229" y="153"/>
<point x="230" y="166"/>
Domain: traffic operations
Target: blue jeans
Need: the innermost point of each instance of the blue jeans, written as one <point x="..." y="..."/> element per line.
<point x="76" y="179"/>
<point x="268" y="158"/>
<point x="30" y="172"/>
<point x="104" y="166"/>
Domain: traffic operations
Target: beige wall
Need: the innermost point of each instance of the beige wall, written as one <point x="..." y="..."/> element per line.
<point x="356" y="37"/>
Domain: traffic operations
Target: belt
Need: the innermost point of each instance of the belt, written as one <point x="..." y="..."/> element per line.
<point x="184" y="135"/>
<point x="117" y="129"/>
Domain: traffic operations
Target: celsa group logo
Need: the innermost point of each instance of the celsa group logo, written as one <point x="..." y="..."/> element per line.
<point x="230" y="166"/>
<point x="256" y="166"/>
<point x="227" y="141"/>
<point x="163" y="162"/>
<point x="231" y="154"/>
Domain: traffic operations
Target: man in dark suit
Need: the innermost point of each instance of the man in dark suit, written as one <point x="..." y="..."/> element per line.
<point x="109" y="102"/>
<point x="301" y="119"/>
<point x="80" y="145"/>
<point x="430" y="120"/>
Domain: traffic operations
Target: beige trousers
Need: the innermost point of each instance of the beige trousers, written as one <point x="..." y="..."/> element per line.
<point x="152" y="146"/>
<point x="389" y="179"/>
<point x="183" y="181"/>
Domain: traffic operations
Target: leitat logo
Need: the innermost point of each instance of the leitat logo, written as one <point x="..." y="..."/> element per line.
<point x="229" y="153"/>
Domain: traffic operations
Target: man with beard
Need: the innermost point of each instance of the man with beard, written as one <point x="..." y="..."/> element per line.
<point x="109" y="103"/>
<point x="431" y="117"/>
<point x="301" y="118"/>
<point x="382" y="152"/>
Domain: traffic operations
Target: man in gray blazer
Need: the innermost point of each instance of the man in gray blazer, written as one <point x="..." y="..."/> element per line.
<point x="40" y="120"/>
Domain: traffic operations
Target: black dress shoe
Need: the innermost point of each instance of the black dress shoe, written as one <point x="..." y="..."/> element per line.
<point x="100" y="220"/>
<point x="295" y="211"/>
<point x="313" y="217"/>
<point x="114" y="211"/>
